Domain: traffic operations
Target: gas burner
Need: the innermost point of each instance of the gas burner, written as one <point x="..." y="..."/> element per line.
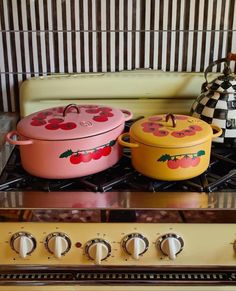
<point x="220" y="176"/>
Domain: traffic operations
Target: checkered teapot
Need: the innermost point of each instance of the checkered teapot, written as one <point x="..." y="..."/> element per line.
<point x="217" y="102"/>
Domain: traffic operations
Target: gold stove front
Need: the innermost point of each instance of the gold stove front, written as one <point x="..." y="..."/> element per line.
<point x="206" y="260"/>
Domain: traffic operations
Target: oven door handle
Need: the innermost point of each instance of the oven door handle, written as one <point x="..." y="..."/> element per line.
<point x="11" y="134"/>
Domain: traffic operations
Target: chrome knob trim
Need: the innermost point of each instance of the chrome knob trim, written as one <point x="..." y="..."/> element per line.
<point x="55" y="235"/>
<point x="175" y="244"/>
<point x="20" y="235"/>
<point x="133" y="236"/>
<point x="94" y="242"/>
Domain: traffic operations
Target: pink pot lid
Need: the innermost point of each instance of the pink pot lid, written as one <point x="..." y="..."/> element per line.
<point x="71" y="122"/>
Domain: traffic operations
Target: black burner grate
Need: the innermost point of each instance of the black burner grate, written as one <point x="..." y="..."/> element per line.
<point x="220" y="176"/>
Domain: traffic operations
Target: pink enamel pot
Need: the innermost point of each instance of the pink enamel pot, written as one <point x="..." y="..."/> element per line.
<point x="71" y="141"/>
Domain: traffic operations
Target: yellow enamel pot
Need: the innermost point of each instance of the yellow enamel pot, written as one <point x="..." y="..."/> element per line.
<point x="170" y="147"/>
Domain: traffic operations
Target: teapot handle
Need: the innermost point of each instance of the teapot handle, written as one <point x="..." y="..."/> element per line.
<point x="230" y="57"/>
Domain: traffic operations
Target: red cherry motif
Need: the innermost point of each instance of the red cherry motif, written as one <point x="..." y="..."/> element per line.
<point x="106" y="150"/>
<point x="195" y="127"/>
<point x="160" y="133"/>
<point x="195" y="161"/>
<point x="44" y="114"/>
<point x="67" y="125"/>
<point x="107" y="114"/>
<point x="93" y="110"/>
<point x="38" y="122"/>
<point x="100" y="118"/>
<point x="153" y="127"/>
<point x="178" y="134"/>
<point x="147" y="129"/>
<point x="52" y="126"/>
<point x="173" y="164"/>
<point x="38" y="118"/>
<point x="106" y="109"/>
<point x="148" y="126"/>
<point x="59" y="109"/>
<point x="86" y="157"/>
<point x="186" y="162"/>
<point x="96" y="155"/>
<point x="189" y="132"/>
<point x="104" y="114"/>
<point x="76" y="159"/>
<point x="56" y="120"/>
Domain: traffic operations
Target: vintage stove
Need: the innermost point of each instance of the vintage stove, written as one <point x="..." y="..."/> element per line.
<point x="117" y="229"/>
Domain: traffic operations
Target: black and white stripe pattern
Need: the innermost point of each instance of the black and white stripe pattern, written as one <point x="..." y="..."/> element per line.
<point x="40" y="37"/>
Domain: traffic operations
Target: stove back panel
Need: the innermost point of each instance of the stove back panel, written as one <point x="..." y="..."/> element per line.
<point x="144" y="92"/>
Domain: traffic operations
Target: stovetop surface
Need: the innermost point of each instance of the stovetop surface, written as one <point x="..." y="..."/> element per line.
<point x="121" y="188"/>
<point x="220" y="176"/>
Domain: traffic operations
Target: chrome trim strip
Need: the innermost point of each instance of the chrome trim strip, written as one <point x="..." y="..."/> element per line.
<point x="117" y="200"/>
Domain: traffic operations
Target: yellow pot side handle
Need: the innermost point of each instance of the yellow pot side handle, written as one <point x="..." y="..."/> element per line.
<point x="218" y="130"/>
<point x="125" y="143"/>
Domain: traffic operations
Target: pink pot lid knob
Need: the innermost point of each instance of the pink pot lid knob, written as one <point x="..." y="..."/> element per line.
<point x="72" y="122"/>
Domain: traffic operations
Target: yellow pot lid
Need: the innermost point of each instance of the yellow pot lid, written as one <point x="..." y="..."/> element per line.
<point x="171" y="131"/>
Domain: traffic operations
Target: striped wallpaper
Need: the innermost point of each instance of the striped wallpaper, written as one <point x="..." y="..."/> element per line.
<point x="39" y="37"/>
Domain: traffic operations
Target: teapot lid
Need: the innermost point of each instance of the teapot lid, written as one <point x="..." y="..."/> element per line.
<point x="225" y="83"/>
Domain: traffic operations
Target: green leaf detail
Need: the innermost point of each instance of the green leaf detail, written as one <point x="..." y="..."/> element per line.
<point x="66" y="154"/>
<point x="112" y="143"/>
<point x="164" y="158"/>
<point x="200" y="153"/>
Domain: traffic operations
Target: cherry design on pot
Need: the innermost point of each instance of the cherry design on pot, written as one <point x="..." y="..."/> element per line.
<point x="183" y="160"/>
<point x="102" y="113"/>
<point x="56" y="120"/>
<point x="86" y="156"/>
<point x="39" y="119"/>
<point x="154" y="128"/>
<point x="191" y="130"/>
<point x="53" y="123"/>
<point x="38" y="122"/>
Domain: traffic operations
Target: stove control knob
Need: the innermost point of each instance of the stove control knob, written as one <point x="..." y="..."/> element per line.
<point x="135" y="244"/>
<point x="23" y="243"/>
<point x="170" y="245"/>
<point x="58" y="243"/>
<point x="98" y="250"/>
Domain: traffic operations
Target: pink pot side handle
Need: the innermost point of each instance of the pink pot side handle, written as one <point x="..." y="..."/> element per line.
<point x="17" y="142"/>
<point x="127" y="114"/>
<point x="217" y="129"/>
<point x="125" y="143"/>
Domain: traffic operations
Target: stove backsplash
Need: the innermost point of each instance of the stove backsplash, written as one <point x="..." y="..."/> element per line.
<point x="40" y="37"/>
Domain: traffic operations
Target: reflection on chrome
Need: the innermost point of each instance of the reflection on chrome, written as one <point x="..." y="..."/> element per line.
<point x="117" y="200"/>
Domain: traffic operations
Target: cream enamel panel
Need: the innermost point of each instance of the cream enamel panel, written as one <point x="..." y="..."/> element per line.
<point x="203" y="244"/>
<point x="128" y="89"/>
<point x="139" y="107"/>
